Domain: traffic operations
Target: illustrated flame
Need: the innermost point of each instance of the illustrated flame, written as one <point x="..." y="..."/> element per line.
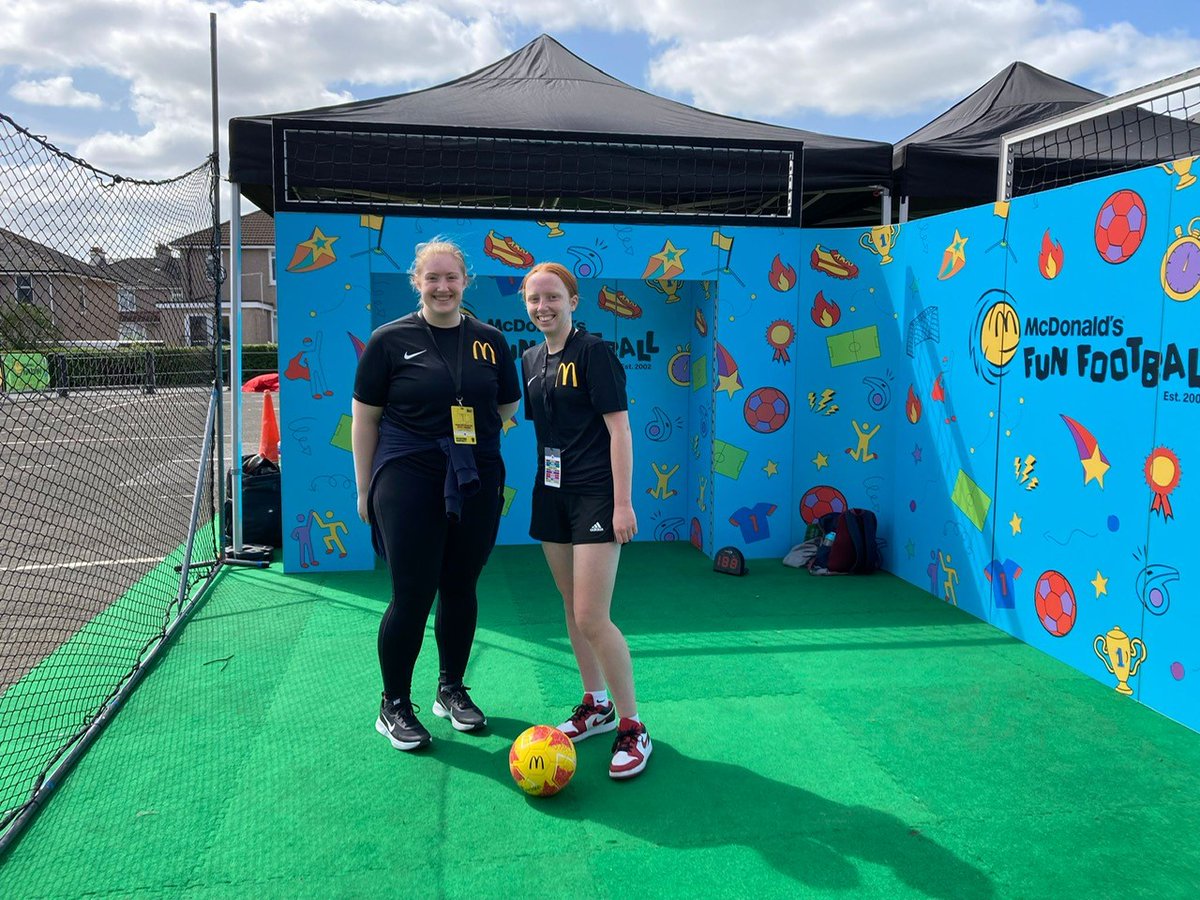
<point x="1050" y="260"/>
<point x="781" y="277"/>
<point x="824" y="313"/>
<point x="912" y="408"/>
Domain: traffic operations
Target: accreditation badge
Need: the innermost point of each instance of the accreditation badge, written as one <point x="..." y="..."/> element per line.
<point x="552" y="468"/>
<point x="462" y="420"/>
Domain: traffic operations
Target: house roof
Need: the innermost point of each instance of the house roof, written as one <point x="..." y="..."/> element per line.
<point x="20" y="254"/>
<point x="161" y="272"/>
<point x="258" y="230"/>
<point x="543" y="88"/>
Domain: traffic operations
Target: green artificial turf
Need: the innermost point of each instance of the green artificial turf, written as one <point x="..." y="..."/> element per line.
<point x="813" y="736"/>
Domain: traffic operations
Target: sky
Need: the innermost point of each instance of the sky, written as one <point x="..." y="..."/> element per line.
<point x="125" y="84"/>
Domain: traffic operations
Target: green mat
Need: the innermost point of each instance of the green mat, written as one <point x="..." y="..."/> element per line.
<point x="813" y="736"/>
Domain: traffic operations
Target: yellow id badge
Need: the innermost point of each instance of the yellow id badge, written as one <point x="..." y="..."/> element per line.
<point x="462" y="419"/>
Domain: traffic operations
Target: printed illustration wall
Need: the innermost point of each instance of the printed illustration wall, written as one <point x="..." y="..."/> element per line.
<point x="654" y="292"/>
<point x="1036" y="393"/>
<point x="1013" y="390"/>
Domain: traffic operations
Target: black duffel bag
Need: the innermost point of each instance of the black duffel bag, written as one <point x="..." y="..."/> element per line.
<point x="262" y="518"/>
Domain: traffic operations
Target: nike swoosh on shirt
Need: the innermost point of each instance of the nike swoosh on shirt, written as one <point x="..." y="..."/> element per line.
<point x="408" y="355"/>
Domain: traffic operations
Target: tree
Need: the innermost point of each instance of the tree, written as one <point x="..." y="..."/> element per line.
<point x="26" y="326"/>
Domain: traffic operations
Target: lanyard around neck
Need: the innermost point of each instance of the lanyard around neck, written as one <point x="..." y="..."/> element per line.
<point x="455" y="373"/>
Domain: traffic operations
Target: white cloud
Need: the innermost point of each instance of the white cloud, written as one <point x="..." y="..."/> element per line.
<point x="767" y="59"/>
<point x="779" y="58"/>
<point x="882" y="59"/>
<point x="57" y="91"/>
<point x="274" y="55"/>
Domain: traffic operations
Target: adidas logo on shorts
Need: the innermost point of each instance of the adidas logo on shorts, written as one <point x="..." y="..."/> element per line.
<point x="596" y="526"/>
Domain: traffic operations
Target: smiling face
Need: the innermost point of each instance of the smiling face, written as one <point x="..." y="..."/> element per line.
<point x="440" y="280"/>
<point x="550" y="304"/>
<point x="1000" y="334"/>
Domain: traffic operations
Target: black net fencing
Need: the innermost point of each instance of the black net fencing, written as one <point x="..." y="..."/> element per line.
<point x="319" y="166"/>
<point x="1155" y="125"/>
<point x="108" y="316"/>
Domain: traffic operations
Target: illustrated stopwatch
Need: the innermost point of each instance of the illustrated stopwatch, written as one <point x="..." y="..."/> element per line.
<point x="1181" y="263"/>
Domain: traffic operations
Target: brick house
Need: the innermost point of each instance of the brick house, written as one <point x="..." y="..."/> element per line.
<point x="259" y="321"/>
<point x="77" y="298"/>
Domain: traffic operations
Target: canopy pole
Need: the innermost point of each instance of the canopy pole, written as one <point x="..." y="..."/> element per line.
<point x="215" y="249"/>
<point x="903" y="209"/>
<point x="886" y="217"/>
<point x="235" y="359"/>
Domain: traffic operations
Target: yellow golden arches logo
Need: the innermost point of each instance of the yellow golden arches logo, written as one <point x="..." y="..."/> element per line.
<point x="483" y="349"/>
<point x="565" y="371"/>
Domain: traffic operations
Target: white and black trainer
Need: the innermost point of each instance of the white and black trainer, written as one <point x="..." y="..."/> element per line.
<point x="399" y="724"/>
<point x="454" y="704"/>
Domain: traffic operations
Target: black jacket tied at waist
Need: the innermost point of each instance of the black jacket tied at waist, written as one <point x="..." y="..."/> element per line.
<point x="462" y="473"/>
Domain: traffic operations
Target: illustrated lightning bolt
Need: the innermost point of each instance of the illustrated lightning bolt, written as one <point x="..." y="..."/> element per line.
<point x="826" y="396"/>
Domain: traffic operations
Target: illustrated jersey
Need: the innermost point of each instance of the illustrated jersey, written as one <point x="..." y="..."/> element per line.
<point x="753" y="521"/>
<point x="407" y="367"/>
<point x="1002" y="575"/>
<point x="566" y="396"/>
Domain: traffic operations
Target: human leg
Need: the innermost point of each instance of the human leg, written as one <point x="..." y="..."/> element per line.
<point x="595" y="714"/>
<point x="468" y="545"/>
<point x="408" y="512"/>
<point x="594" y="571"/>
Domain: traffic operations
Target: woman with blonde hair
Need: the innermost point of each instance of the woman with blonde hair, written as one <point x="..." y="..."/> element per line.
<point x="430" y="394"/>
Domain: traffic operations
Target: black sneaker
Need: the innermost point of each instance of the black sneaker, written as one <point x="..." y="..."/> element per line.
<point x="453" y="703"/>
<point x="399" y="724"/>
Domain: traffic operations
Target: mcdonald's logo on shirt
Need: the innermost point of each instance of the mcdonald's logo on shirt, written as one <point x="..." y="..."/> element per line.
<point x="565" y="371"/>
<point x="482" y="349"/>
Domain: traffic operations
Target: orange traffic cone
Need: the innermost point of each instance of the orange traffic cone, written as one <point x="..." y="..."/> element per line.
<point x="268" y="443"/>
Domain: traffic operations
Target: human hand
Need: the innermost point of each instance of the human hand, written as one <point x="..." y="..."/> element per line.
<point x="624" y="523"/>
<point x="362" y="508"/>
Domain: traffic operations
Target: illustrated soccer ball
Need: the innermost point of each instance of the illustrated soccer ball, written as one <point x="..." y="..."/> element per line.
<point x="1055" y="602"/>
<point x="766" y="410"/>
<point x="1120" y="226"/>
<point x="542" y="760"/>
<point x="819" y="501"/>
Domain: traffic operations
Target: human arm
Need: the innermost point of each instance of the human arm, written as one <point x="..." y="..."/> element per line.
<point x="621" y="458"/>
<point x="364" y="438"/>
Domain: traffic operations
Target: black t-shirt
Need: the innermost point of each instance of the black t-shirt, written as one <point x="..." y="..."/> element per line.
<point x="407" y="367"/>
<point x="586" y="381"/>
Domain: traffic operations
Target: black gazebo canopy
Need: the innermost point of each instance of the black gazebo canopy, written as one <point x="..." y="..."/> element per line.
<point x="525" y="114"/>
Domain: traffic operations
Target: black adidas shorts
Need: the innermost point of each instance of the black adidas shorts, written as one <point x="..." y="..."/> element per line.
<point x="565" y="518"/>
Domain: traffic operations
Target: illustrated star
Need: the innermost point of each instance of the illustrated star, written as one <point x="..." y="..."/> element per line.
<point x="820" y="460"/>
<point x="958" y="246"/>
<point x="1094" y="468"/>
<point x="319" y="245"/>
<point x="1015" y="523"/>
<point x="916" y="454"/>
<point x="730" y="383"/>
<point x="1100" y="583"/>
<point x="509" y="423"/>
<point x="910" y="548"/>
<point x="671" y="258"/>
<point x="771" y="468"/>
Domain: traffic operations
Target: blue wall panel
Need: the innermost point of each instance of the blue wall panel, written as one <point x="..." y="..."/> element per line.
<point x="1014" y="390"/>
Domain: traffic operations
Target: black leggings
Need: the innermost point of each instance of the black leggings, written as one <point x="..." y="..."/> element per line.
<point x="427" y="555"/>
